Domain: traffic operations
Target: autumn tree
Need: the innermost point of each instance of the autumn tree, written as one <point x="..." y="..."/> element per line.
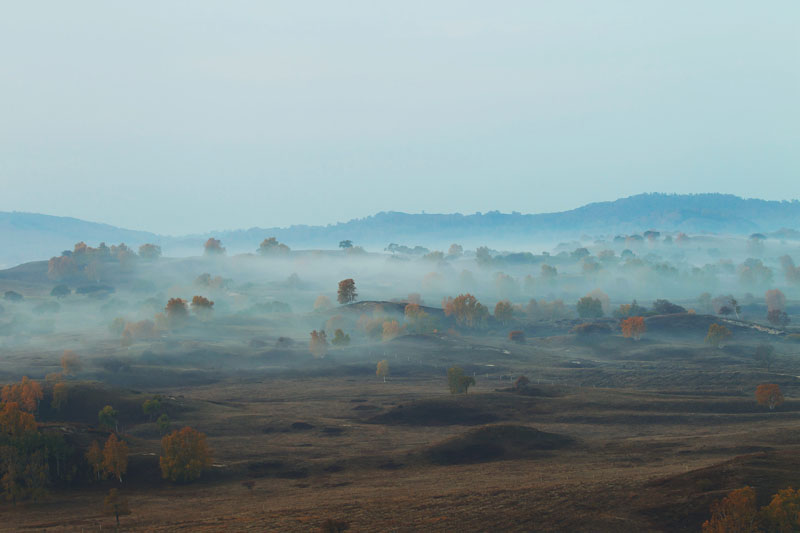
<point x="271" y="246"/>
<point x="340" y="338"/>
<point x="213" y="247"/>
<point x="521" y="382"/>
<point x="116" y="505"/>
<point x="94" y="456"/>
<point x="107" y="416"/>
<point x="27" y="394"/>
<point x="765" y="355"/>
<point x="184" y="455"/>
<point x="782" y="515"/>
<point x="60" y="396"/>
<point x="115" y="457"/>
<point x="318" y="346"/>
<point x="769" y="394"/>
<point x="503" y="312"/>
<point x="176" y="311"/>
<point x="70" y="363"/>
<point x="149" y="252"/>
<point x="736" y="512"/>
<point x="589" y="307"/>
<point x="457" y="381"/>
<point x="347" y="291"/>
<point x="417" y="320"/>
<point x="382" y="370"/>
<point x="202" y="306"/>
<point x="391" y="329"/>
<point x="717" y="335"/>
<point x="633" y="327"/>
<point x="467" y="311"/>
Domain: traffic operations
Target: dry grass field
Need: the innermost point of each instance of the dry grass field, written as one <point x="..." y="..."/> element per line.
<point x="611" y="435"/>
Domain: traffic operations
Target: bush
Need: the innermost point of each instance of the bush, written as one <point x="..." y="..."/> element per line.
<point x="665" y="307"/>
<point x="516" y="336"/>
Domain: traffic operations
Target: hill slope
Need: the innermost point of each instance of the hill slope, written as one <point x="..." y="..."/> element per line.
<point x="26" y="236"/>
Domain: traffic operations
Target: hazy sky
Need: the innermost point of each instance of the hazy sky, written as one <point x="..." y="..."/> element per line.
<point x="182" y="117"/>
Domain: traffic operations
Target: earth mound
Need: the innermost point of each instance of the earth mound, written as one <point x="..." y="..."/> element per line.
<point x="492" y="443"/>
<point x="435" y="413"/>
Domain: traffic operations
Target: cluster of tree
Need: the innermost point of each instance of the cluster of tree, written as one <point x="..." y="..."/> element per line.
<point x="271" y="246"/>
<point x="457" y="381"/>
<point x="85" y="262"/>
<point x="738" y="511"/>
<point x="717" y="335"/>
<point x="30" y="459"/>
<point x="467" y="311"/>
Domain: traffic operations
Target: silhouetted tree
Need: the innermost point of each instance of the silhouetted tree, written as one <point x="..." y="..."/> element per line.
<point x="345" y="244"/>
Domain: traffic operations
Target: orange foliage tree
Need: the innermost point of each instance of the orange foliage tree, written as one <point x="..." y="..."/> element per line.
<point x="318" y="346"/>
<point x="769" y="394"/>
<point x="736" y="512"/>
<point x="213" y="247"/>
<point x="382" y="369"/>
<point x="16" y="423"/>
<point x="633" y="327"/>
<point x="27" y="394"/>
<point x="184" y="455"/>
<point x="176" y="310"/>
<point x="467" y="310"/>
<point x="115" y="457"/>
<point x="202" y="306"/>
<point x="347" y="291"/>
<point x="783" y="512"/>
<point x="94" y="456"/>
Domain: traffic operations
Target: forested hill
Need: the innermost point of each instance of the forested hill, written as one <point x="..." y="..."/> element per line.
<point x="25" y="236"/>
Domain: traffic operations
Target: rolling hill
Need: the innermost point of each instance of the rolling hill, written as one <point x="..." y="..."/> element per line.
<point x="28" y="236"/>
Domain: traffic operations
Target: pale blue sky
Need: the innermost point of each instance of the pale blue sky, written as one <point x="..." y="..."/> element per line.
<point x="190" y="116"/>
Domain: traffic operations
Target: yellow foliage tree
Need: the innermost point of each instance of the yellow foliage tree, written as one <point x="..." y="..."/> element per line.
<point x="736" y="513"/>
<point x="115" y="457"/>
<point x="383" y="369"/>
<point x="184" y="455"/>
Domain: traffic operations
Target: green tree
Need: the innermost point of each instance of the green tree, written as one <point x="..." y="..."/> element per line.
<point x="589" y="307"/>
<point x="457" y="381"/>
<point x="108" y="417"/>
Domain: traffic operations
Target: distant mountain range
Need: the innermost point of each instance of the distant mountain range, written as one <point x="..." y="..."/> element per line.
<point x="28" y="236"/>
